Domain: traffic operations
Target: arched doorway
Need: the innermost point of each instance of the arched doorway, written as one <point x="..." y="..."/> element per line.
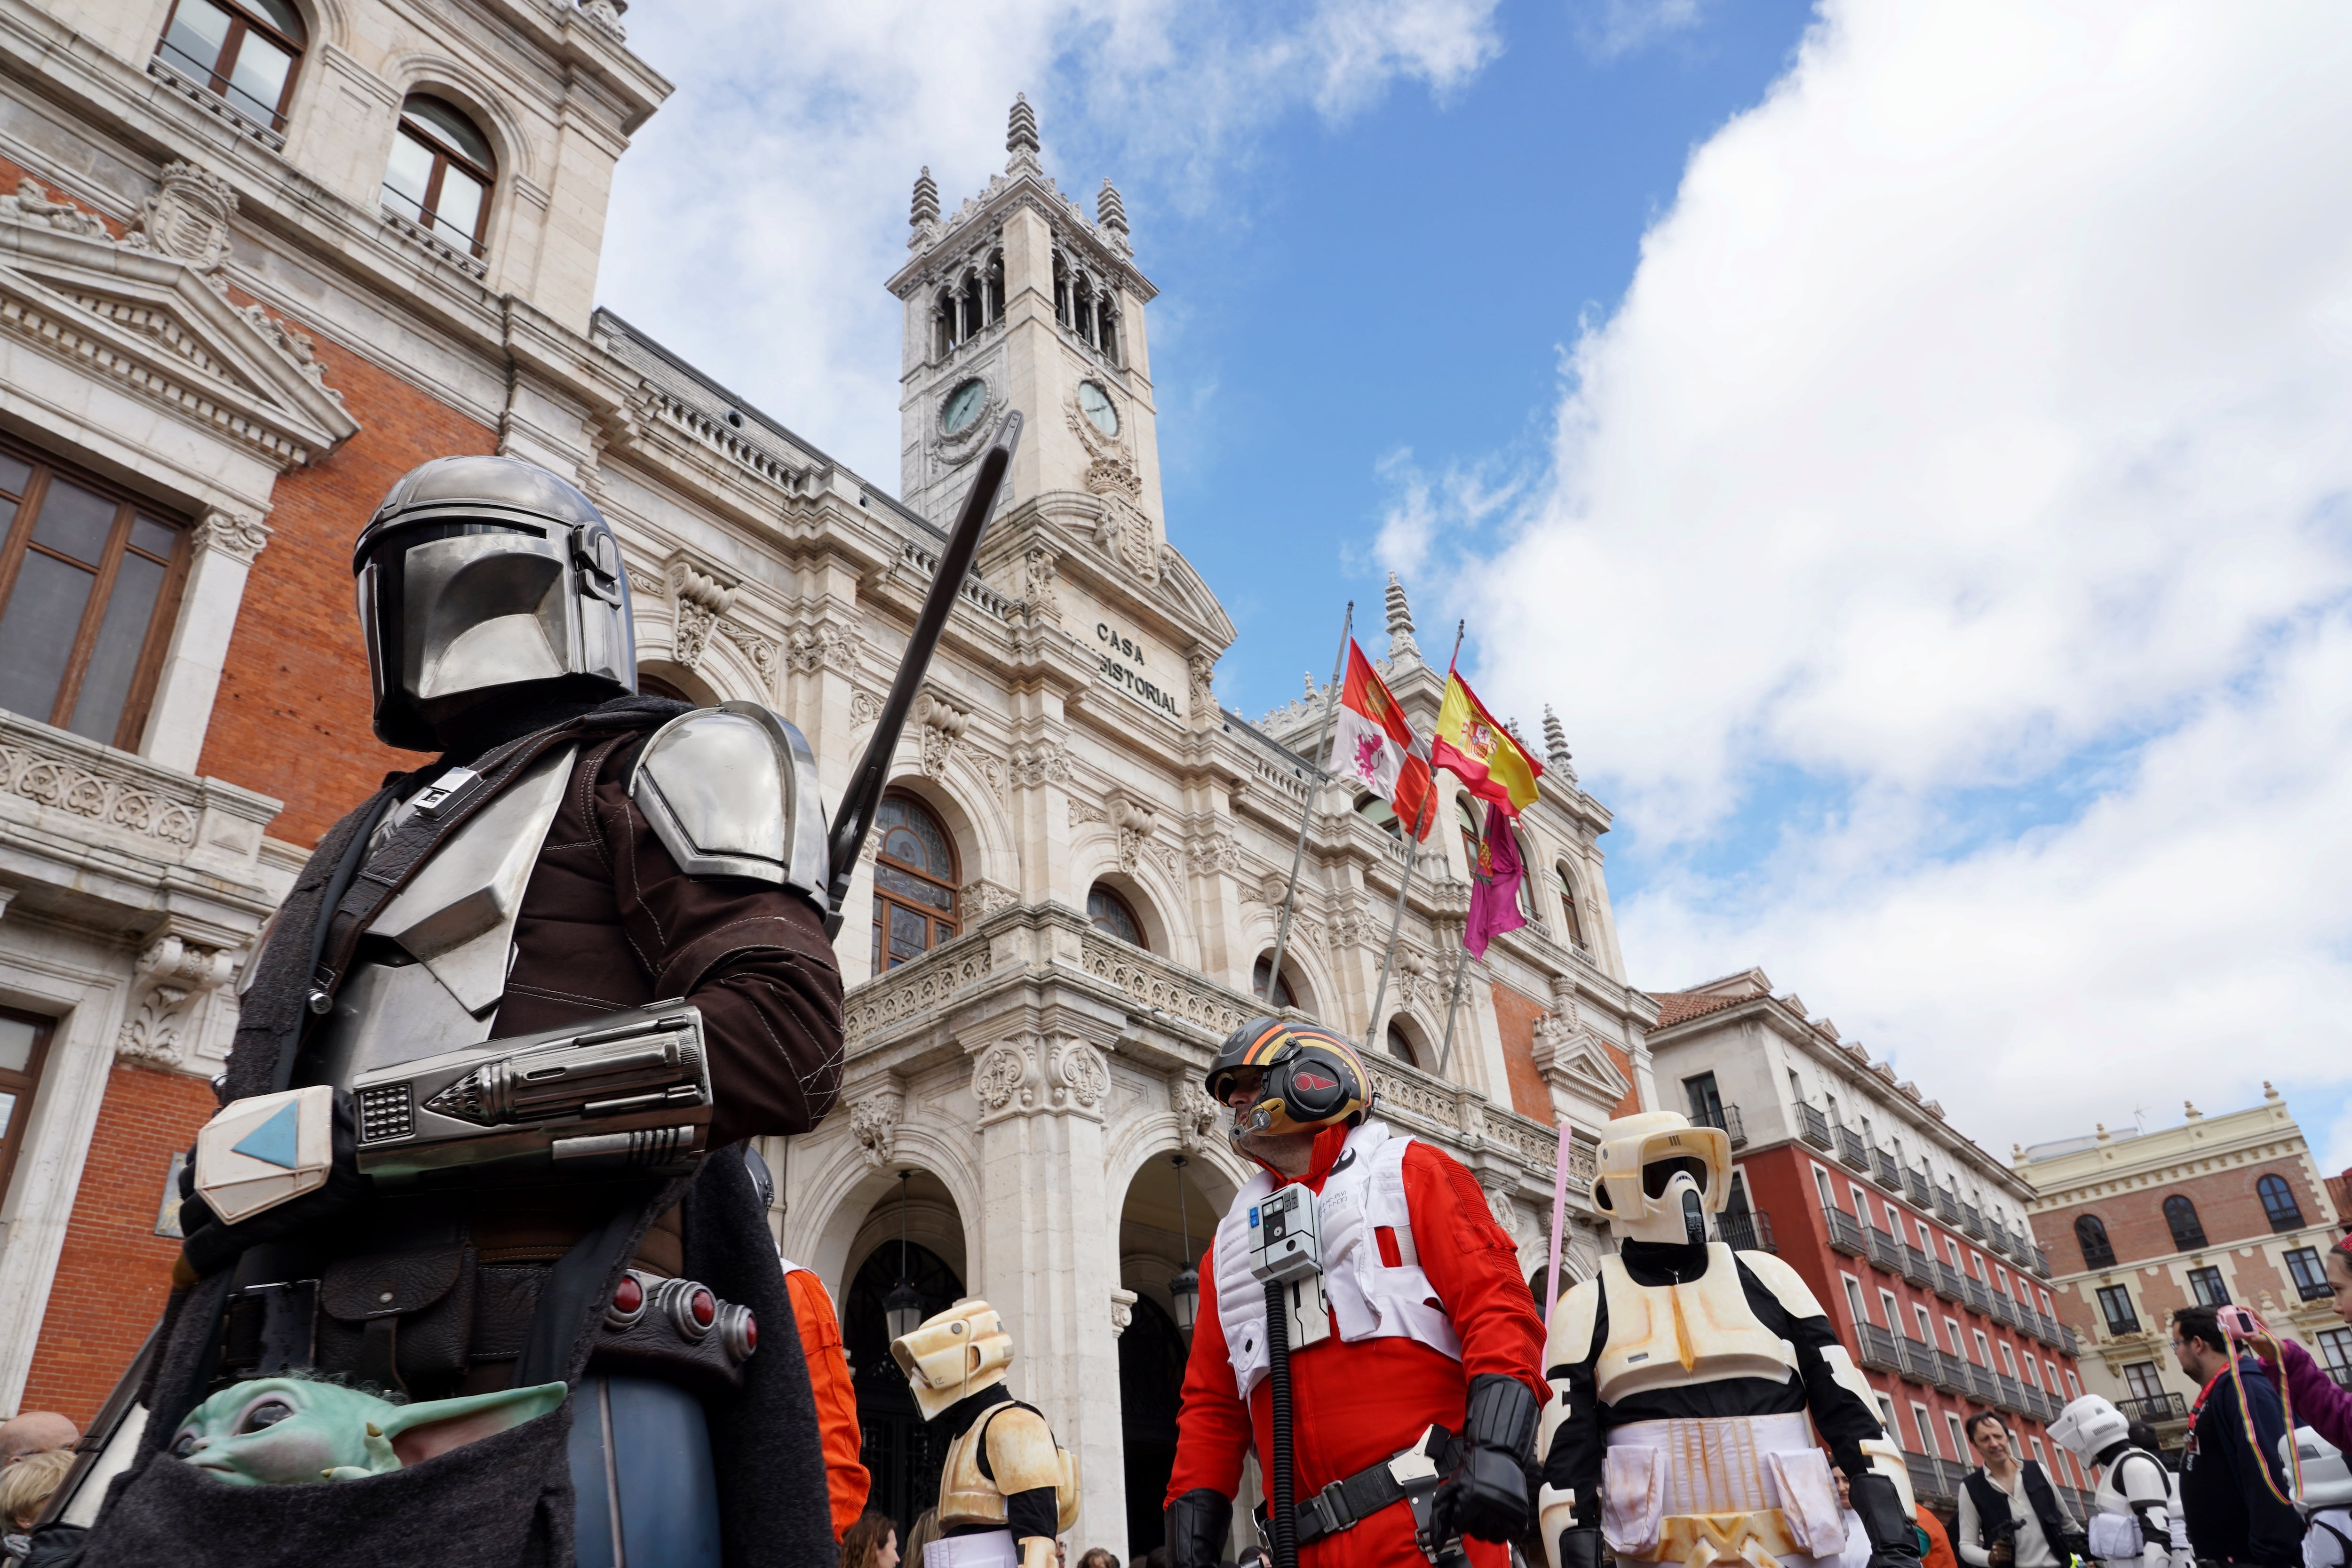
<point x="1150" y="1386"/>
<point x="901" y="1451"/>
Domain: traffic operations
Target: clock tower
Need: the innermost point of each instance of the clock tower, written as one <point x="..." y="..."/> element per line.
<point x="1019" y="301"/>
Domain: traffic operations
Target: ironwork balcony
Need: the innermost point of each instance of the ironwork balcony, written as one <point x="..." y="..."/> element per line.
<point x="2012" y="1393"/>
<point x="1947" y="1205"/>
<point x="1951" y="1373"/>
<point x="1996" y="1240"/>
<point x="1918" y="1360"/>
<point x="1918" y="1268"/>
<point x="2066" y="1339"/>
<point x="1972" y="1220"/>
<point x="2314" y="1290"/>
<point x="1978" y="1296"/>
<point x="1921" y="1190"/>
<point x="1845" y="1232"/>
<point x="1982" y="1388"/>
<point x="1814" y="1126"/>
<point x="1725" y="1117"/>
<point x="1879" y="1349"/>
<point x="1889" y="1170"/>
<point x="1852" y="1150"/>
<point x="1749" y="1232"/>
<point x="2004" y="1311"/>
<point x="2154" y="1408"/>
<point x="1948" y="1282"/>
<point x="2032" y="1256"/>
<point x="1933" y="1478"/>
<point x="1886" y="1251"/>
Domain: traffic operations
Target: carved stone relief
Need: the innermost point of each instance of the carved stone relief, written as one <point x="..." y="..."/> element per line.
<point x="234" y="534"/>
<point x="169" y="975"/>
<point x="1039" y="762"/>
<point x="698" y="598"/>
<point x="874" y="1122"/>
<point x="943" y="724"/>
<point x="186" y="218"/>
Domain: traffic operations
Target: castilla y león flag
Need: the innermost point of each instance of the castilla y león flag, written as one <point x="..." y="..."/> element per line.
<point x="1470" y="743"/>
<point x="1373" y="744"/>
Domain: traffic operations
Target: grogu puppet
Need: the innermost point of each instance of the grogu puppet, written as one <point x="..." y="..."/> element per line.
<point x="283" y="1431"/>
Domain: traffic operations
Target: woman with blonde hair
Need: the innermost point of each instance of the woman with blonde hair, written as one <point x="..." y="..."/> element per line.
<point x="926" y="1531"/>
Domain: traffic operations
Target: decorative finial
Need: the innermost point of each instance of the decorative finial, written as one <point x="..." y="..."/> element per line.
<point x="1021" y="134"/>
<point x="926" y="208"/>
<point x="1400" y="642"/>
<point x="1309" y="676"/>
<point x="2189" y="1106"/>
<point x="1556" y="750"/>
<point x="1109" y="211"/>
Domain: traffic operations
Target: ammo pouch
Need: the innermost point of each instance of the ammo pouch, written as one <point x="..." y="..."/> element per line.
<point x="399" y="1318"/>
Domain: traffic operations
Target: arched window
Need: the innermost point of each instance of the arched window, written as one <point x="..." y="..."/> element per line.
<point x="1377" y="811"/>
<point x="943" y="320"/>
<point x="654" y="686"/>
<point x="441" y="173"/>
<point x="1061" y="290"/>
<point x="1568" y="902"/>
<point x="241" y="50"/>
<point x="1283" y="996"/>
<point x="2187" y="1231"/>
<point x="1111" y="915"/>
<point x="2091" y="1235"/>
<point x="914" y="883"/>
<point x="1400" y="1046"/>
<point x="995" y="280"/>
<point x="2278" y="1203"/>
<point x="1465" y="818"/>
<point x="1107" y="325"/>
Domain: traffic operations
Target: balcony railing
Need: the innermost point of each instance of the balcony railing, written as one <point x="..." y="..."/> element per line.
<point x="1747" y="1232"/>
<point x="2034" y="1258"/>
<point x="1814" y="1126"/>
<point x="1879" y="1350"/>
<point x="1727" y="1117"/>
<point x="1845" y="1232"/>
<point x="1951" y="1373"/>
<point x="1918" y="1360"/>
<point x="1972" y="1220"/>
<point x="1853" y="1150"/>
<point x="1978" y="1296"/>
<point x="1918" y="1268"/>
<point x="1886" y="1251"/>
<point x="1889" y="1170"/>
<point x="1921" y="1190"/>
<point x="1982" y="1388"/>
<point x="1934" y="1479"/>
<point x="2314" y="1290"/>
<point x="1997" y="1241"/>
<point x="1947" y="1205"/>
<point x="2011" y="1391"/>
<point x="2154" y="1408"/>
<point x="2066" y="1341"/>
<point x="2004" y="1311"/>
<point x="1948" y="1282"/>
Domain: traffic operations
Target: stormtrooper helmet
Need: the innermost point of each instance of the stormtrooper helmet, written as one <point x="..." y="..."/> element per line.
<point x="2325" y="1481"/>
<point x="1657" y="1177"/>
<point x="479" y="574"/>
<point x="953" y="1355"/>
<point x="2089" y="1426"/>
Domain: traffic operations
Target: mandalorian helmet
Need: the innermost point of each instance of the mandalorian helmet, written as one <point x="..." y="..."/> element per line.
<point x="1657" y="1177"/>
<point x="2322" y="1480"/>
<point x="1313" y="1078"/>
<point x="484" y="574"/>
<point x="2089" y="1426"/>
<point x="953" y="1355"/>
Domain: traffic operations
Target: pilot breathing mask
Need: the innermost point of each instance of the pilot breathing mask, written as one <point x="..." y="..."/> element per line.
<point x="1311" y="1079"/>
<point x="1657" y="1177"/>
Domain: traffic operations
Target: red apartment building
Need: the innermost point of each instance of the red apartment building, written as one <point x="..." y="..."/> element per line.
<point x="1912" y="1237"/>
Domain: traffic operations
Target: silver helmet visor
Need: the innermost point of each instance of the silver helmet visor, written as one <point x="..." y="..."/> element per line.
<point x="486" y="609"/>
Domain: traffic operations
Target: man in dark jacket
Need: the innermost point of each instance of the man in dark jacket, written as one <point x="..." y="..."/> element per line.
<point x="2237" y="1502"/>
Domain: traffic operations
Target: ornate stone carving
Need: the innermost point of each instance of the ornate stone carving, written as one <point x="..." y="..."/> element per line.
<point x="233" y="533"/>
<point x="1123" y="532"/>
<point x="1039" y="762"/>
<point x="1196" y="1115"/>
<point x="1201" y="670"/>
<point x="170" y="973"/>
<point x="1211" y="854"/>
<point x="943" y="725"/>
<point x="1078" y="1078"/>
<point x="1039" y="568"/>
<point x="824" y="645"/>
<point x="32" y="204"/>
<point x="1155" y="983"/>
<point x="766" y="655"/>
<point x="874" y="1122"/>
<point x="979" y="899"/>
<point x="606" y="14"/>
<point x="295" y="344"/>
<point x="1134" y="820"/>
<point x="863" y="708"/>
<point x="1001" y="1077"/>
<point x="1122" y="1310"/>
<point x="643" y="581"/>
<point x="913" y="990"/>
<point x="186" y="218"/>
<point x="699" y="599"/>
<point x="48" y="778"/>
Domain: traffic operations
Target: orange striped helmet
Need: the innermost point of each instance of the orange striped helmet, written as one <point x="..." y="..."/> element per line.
<point x="1313" y="1077"/>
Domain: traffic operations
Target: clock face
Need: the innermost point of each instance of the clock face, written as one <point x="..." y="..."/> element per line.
<point x="1095" y="404"/>
<point x="963" y="405"/>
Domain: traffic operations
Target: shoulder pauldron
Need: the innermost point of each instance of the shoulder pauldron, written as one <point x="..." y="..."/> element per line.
<point x="731" y="790"/>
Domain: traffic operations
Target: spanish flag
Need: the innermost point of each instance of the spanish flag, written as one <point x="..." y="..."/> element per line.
<point x="1473" y="745"/>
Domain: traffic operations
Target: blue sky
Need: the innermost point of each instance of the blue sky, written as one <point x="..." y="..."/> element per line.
<point x="1904" y="442"/>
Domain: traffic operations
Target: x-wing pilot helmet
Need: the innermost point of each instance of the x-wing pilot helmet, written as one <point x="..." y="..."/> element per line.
<point x="1313" y="1079"/>
<point x="2089" y="1426"/>
<point x="1658" y="1177"/>
<point x="2326" y="1481"/>
<point x="953" y="1355"/>
<point x="481" y="575"/>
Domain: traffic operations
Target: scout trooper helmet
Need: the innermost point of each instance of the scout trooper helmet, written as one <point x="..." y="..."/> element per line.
<point x="1657" y="1177"/>
<point x="2089" y="1426"/>
<point x="486" y="574"/>
<point x="2326" y="1481"/>
<point x="953" y="1355"/>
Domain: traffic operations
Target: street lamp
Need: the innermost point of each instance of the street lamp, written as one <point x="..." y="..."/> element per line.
<point x="902" y="1308"/>
<point x="1184" y="1290"/>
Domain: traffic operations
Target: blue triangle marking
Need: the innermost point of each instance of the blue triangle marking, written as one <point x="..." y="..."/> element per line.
<point x="274" y="1139"/>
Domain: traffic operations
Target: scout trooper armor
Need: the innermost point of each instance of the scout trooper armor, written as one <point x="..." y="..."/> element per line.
<point x="1682" y="1379"/>
<point x="2132" y="1521"/>
<point x="1006" y="1488"/>
<point x="2324" y="1493"/>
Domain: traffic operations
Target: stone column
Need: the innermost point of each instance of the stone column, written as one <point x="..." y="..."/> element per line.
<point x="1047" y="1233"/>
<point x="225" y="545"/>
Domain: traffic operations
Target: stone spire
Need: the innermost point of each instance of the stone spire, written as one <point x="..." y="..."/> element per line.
<point x="1400" y="642"/>
<point x="924" y="212"/>
<point x="1110" y="213"/>
<point x="1020" y="135"/>
<point x="1556" y="752"/>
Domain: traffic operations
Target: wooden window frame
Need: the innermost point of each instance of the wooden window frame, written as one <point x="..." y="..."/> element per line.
<point x="442" y="158"/>
<point x="25" y="1086"/>
<point x="884" y="901"/>
<point x="1273" y="983"/>
<point x="139" y="698"/>
<point x="2290" y="1216"/>
<point x="241" y="21"/>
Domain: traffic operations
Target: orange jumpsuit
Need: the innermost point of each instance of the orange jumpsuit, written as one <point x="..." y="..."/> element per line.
<point x="845" y="1480"/>
<point x="1355" y="1405"/>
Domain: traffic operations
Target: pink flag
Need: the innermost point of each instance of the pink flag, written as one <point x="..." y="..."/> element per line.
<point x="1493" y="884"/>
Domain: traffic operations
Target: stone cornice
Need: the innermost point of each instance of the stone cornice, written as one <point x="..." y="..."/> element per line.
<point x="1006" y="194"/>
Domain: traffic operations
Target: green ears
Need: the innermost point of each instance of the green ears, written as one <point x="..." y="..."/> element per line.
<point x="418" y="1431"/>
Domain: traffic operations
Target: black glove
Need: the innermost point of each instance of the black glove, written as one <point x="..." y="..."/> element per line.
<point x="1197" y="1523"/>
<point x="1579" y="1546"/>
<point x="1486" y="1499"/>
<point x="1893" y="1532"/>
<point x="211" y="1244"/>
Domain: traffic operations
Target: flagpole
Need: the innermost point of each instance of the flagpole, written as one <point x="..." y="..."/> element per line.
<point x="1453" y="1004"/>
<point x="1404" y="883"/>
<point x="1306" y="811"/>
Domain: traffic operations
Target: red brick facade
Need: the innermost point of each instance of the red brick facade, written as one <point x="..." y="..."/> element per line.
<point x="1516" y="1017"/>
<point x="115" y="1271"/>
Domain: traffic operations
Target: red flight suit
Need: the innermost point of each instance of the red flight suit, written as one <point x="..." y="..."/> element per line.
<point x="1357" y="1404"/>
<point x="846" y="1480"/>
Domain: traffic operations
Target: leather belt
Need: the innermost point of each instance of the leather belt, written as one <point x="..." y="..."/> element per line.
<point x="1344" y="1504"/>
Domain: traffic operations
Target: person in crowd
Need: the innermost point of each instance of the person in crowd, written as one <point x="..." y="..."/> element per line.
<point x="2010" y="1516"/>
<point x="36" y="1432"/>
<point x="1938" y="1553"/>
<point x="846" y="1483"/>
<point x="870" y="1541"/>
<point x="1431" y="1325"/>
<point x="2323" y="1493"/>
<point x="2237" y="1501"/>
<point x="2319" y="1403"/>
<point x="1098" y="1557"/>
<point x="2144" y="1438"/>
<point x="25" y="1485"/>
<point x="919" y="1538"/>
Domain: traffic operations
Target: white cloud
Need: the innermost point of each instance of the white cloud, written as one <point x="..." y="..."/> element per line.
<point x="1608" y="29"/>
<point x="1978" y="406"/>
<point x="755" y="220"/>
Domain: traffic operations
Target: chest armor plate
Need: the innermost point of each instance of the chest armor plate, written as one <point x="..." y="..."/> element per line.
<point x="453" y="926"/>
<point x="1704" y="1331"/>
